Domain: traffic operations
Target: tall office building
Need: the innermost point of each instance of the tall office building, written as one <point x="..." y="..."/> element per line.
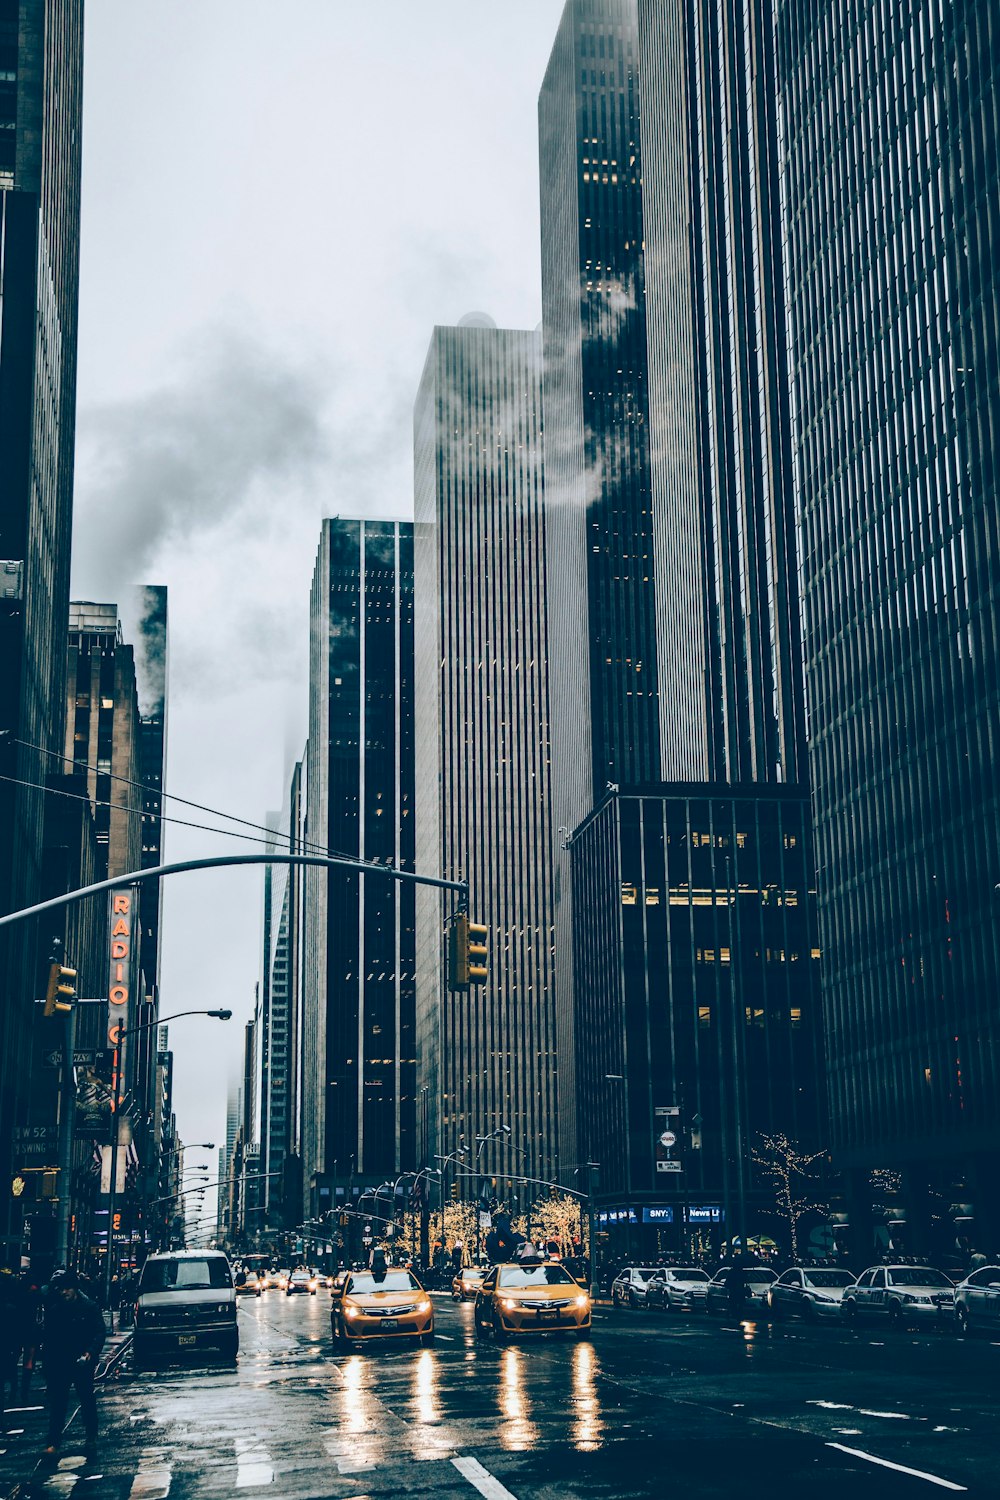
<point x="41" y="74"/>
<point x="892" y="220"/>
<point x="281" y="989"/>
<point x="671" y="547"/>
<point x="358" y="1044"/>
<point x="483" y="777"/>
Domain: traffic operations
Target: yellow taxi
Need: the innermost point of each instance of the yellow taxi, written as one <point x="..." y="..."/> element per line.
<point x="523" y="1297"/>
<point x="381" y="1304"/>
<point x="467" y="1283"/>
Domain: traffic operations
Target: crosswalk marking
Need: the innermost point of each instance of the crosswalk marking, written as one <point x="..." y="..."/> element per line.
<point x="253" y="1464"/>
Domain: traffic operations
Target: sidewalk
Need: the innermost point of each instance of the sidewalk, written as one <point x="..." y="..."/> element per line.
<point x="22" y="1442"/>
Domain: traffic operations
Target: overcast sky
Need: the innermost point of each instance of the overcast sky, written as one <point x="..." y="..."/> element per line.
<point x="279" y="203"/>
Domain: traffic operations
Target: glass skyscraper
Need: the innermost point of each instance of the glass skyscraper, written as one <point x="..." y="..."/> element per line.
<point x="358" y="1042"/>
<point x="892" y="221"/>
<point x="483" y="774"/>
<point x="669" y="516"/>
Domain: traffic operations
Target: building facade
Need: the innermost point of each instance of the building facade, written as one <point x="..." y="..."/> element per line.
<point x="281" y="1020"/>
<point x="697" y="959"/>
<point x="668" y="454"/>
<point x="358" y="1042"/>
<point x="41" y="76"/>
<point x="892" y="223"/>
<point x="483" y="775"/>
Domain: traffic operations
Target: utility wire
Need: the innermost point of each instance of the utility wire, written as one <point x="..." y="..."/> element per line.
<point x="55" y="791"/>
<point x="145" y="786"/>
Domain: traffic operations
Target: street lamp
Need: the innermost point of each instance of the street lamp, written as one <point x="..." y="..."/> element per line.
<point x="482" y="1141"/>
<point x="118" y="1033"/>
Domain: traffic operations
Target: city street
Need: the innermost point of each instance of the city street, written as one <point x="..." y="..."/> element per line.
<point x="648" y="1406"/>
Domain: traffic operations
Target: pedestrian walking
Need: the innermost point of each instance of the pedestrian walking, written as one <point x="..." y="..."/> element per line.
<point x="18" y="1336"/>
<point x="73" y="1335"/>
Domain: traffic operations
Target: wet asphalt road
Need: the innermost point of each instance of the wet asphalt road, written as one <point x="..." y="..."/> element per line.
<point x="649" y="1406"/>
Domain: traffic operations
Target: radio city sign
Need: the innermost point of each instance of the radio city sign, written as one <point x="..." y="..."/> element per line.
<point x="120" y="957"/>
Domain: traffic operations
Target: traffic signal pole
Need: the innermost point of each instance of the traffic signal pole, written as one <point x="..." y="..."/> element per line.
<point x="217" y="861"/>
<point x="67" y="1121"/>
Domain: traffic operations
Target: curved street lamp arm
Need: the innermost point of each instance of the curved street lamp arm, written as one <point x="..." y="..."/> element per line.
<point x="176" y="867"/>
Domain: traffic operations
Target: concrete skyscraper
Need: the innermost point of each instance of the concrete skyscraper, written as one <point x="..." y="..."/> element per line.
<point x="892" y="218"/>
<point x="358" y="1045"/>
<point x="483" y="777"/>
<point x="41" y="63"/>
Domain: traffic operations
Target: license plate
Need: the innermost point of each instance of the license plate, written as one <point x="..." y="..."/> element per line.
<point x="389" y="1325"/>
<point x="547" y="1315"/>
<point x="187" y="1338"/>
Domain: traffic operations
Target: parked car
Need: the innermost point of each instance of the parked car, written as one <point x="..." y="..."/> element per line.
<point x="977" y="1301"/>
<point x="757" y="1280"/>
<point x="630" y="1286"/>
<point x="810" y="1292"/>
<point x="186" y="1301"/>
<point x="676" y="1288"/>
<point x="902" y="1294"/>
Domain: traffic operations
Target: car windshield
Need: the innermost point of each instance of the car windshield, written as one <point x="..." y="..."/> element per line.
<point x="185" y="1275"/>
<point x="515" y="1276"/>
<point x="759" y="1273"/>
<point x="687" y="1273"/>
<point x="472" y="1275"/>
<point x="644" y="1272"/>
<point x="391" y="1281"/>
<point x="917" y="1276"/>
<point x="828" y="1278"/>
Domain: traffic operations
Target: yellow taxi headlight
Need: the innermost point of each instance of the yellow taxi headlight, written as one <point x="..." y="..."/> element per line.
<point x="508" y="1305"/>
<point x="350" y="1311"/>
<point x="583" y="1302"/>
<point x="423" y="1307"/>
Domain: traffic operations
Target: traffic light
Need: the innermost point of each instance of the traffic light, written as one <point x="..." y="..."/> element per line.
<point x="61" y="991"/>
<point x="454" y="1192"/>
<point x="468" y="952"/>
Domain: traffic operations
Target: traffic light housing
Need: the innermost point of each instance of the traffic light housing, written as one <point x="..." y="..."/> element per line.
<point x="61" y="990"/>
<point x="454" y="1192"/>
<point x="468" y="952"/>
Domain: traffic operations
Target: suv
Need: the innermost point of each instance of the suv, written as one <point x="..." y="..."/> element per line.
<point x="186" y="1300"/>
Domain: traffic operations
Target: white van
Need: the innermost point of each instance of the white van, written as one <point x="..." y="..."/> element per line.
<point x="186" y="1300"/>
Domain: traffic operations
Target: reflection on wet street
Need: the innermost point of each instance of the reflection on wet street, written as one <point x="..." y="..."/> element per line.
<point x="643" y="1407"/>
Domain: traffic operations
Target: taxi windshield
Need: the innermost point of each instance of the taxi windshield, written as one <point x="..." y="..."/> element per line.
<point x="917" y="1276"/>
<point x="391" y="1281"/>
<point x="514" y="1276"/>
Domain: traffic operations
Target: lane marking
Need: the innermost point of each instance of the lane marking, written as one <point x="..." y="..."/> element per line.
<point x="472" y="1470"/>
<point x="946" y="1484"/>
<point x="449" y="1338"/>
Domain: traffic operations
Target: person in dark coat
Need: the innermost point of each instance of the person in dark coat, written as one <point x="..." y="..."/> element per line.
<point x="736" y="1289"/>
<point x="73" y="1335"/>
